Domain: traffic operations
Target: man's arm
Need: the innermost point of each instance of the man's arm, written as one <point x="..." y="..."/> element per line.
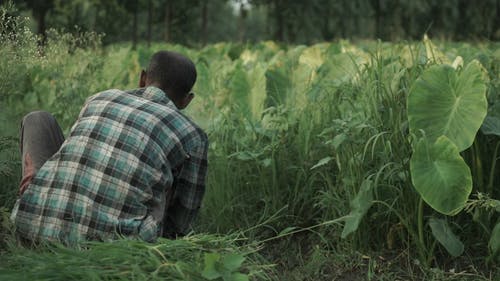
<point x="28" y="174"/>
<point x="188" y="190"/>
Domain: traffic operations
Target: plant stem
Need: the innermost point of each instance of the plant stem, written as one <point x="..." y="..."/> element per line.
<point x="421" y="239"/>
<point x="492" y="170"/>
<point x="478" y="168"/>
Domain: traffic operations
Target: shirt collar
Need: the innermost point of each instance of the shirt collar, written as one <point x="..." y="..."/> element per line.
<point x="155" y="94"/>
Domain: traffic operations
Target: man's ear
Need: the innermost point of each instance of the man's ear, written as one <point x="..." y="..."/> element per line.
<point x="142" y="80"/>
<point x="184" y="102"/>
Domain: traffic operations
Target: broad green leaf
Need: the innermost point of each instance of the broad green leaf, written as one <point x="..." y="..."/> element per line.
<point x="442" y="102"/>
<point x="409" y="56"/>
<point x="494" y="243"/>
<point x="239" y="277"/>
<point x="266" y="162"/>
<point x="302" y="78"/>
<point x="256" y="78"/>
<point x="495" y="205"/>
<point x="293" y="56"/>
<point x="210" y="271"/>
<point x="232" y="262"/>
<point x="248" y="56"/>
<point x="491" y="124"/>
<point x="433" y="53"/>
<point x="305" y="73"/>
<point x="278" y="84"/>
<point x="239" y="89"/>
<point x="444" y="235"/>
<point x="313" y="56"/>
<point x="338" y="140"/>
<point x="340" y="69"/>
<point x="359" y="206"/>
<point x="203" y="85"/>
<point x="440" y="175"/>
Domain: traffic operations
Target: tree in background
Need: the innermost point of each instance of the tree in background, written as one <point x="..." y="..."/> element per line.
<point x="198" y="22"/>
<point x="150" y="21"/>
<point x="132" y="7"/>
<point x="286" y="17"/>
<point x="39" y="9"/>
<point x="168" y="19"/>
<point x="204" y="22"/>
<point x="477" y="19"/>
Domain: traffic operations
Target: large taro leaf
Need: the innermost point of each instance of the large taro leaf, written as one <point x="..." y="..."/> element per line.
<point x="442" y="102"/>
<point x="240" y="90"/>
<point x="359" y="206"/>
<point x="494" y="243"/>
<point x="257" y="81"/>
<point x="440" y="175"/>
<point x="433" y="52"/>
<point x="443" y="233"/>
<point x="278" y="84"/>
<point x="491" y="124"/>
<point x="340" y="69"/>
<point x="302" y="79"/>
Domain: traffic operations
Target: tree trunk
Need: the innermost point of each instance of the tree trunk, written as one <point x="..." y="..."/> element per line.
<point x="325" y="27"/>
<point x="461" y="30"/>
<point x="241" y="23"/>
<point x="492" y="19"/>
<point x="204" y="22"/>
<point x="280" y="21"/>
<point x="168" y="20"/>
<point x="378" y="20"/>
<point x="496" y="24"/>
<point x="134" y="28"/>
<point x="40" y="19"/>
<point x="290" y="31"/>
<point x="342" y="28"/>
<point x="407" y="25"/>
<point x="150" y="21"/>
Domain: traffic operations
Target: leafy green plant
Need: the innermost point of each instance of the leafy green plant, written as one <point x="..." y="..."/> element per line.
<point x="448" y="109"/>
<point x="443" y="102"/>
<point x="223" y="267"/>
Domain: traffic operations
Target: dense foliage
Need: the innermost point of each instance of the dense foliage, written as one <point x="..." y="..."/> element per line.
<point x="196" y="22"/>
<point x="312" y="154"/>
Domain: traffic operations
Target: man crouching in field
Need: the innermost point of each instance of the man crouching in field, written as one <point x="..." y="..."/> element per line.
<point x="133" y="164"/>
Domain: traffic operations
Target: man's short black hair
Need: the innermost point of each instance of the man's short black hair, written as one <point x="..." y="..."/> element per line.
<point x="175" y="73"/>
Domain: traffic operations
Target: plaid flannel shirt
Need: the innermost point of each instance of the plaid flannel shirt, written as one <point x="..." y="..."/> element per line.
<point x="125" y="154"/>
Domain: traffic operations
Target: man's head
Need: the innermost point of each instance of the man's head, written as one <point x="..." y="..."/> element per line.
<point x="174" y="74"/>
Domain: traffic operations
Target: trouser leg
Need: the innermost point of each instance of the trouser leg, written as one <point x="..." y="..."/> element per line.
<point x="41" y="137"/>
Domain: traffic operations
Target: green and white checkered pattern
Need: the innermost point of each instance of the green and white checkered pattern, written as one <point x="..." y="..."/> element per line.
<point x="111" y="175"/>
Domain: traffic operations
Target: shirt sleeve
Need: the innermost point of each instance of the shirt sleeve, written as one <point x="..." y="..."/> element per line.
<point x="189" y="189"/>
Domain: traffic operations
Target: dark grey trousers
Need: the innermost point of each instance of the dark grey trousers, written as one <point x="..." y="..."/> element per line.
<point x="41" y="137"/>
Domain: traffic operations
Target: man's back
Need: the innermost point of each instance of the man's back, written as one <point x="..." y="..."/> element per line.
<point x="112" y="173"/>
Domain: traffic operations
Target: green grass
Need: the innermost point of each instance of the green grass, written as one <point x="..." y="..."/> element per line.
<point x="196" y="257"/>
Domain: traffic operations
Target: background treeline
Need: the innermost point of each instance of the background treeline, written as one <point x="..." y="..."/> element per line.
<point x="198" y="22"/>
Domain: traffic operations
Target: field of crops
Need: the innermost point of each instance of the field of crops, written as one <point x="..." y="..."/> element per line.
<point x="336" y="161"/>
